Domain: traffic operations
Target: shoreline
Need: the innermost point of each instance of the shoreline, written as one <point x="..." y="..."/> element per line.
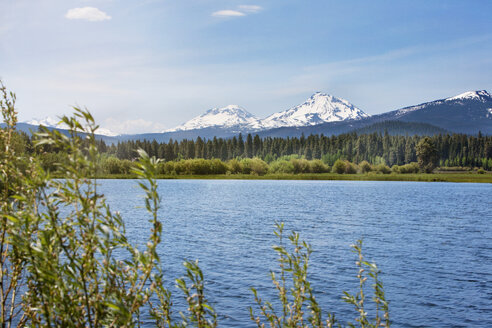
<point x="417" y="177"/>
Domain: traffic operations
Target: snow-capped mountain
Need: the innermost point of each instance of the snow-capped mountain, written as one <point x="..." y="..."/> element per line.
<point x="230" y="117"/>
<point x="480" y="96"/>
<point x="50" y="122"/>
<point x="319" y="108"/>
<point x="47" y="121"/>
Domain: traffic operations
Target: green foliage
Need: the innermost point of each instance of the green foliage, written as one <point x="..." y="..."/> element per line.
<point x="375" y="148"/>
<point x="382" y="168"/>
<point x="235" y="166"/>
<point x="112" y="165"/>
<point x="281" y="166"/>
<point x="381" y="316"/>
<point x="350" y="168"/>
<point x="254" y="166"/>
<point x="365" y="167"/>
<point x="294" y="271"/>
<point x="70" y="264"/>
<point x="297" y="303"/>
<point x="80" y="243"/>
<point x="200" y="313"/>
<point x="65" y="258"/>
<point x="14" y="171"/>
<point x="427" y="154"/>
<point x="409" y="168"/>
<point x="339" y="167"/>
<point x="317" y="166"/>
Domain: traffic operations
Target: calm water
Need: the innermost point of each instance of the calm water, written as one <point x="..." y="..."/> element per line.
<point x="433" y="242"/>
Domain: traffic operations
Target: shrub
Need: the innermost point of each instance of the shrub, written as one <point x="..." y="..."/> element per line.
<point x="218" y="167"/>
<point x="112" y="165"/>
<point x="350" y="168"/>
<point x="383" y="168"/>
<point x="126" y="166"/>
<point x="254" y="166"/>
<point x="199" y="166"/>
<point x="481" y="171"/>
<point x="181" y="167"/>
<point x="365" y="167"/>
<point x="161" y="167"/>
<point x="395" y="169"/>
<point x="338" y="167"/>
<point x="235" y="166"/>
<point x="281" y="166"/>
<point x="317" y="166"/>
<point x="298" y="305"/>
<point x="50" y="160"/>
<point x="170" y="168"/>
<point x="409" y="168"/>
<point x="67" y="274"/>
<point x="300" y="165"/>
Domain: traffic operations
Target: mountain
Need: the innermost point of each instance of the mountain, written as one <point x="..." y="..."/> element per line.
<point x="467" y="113"/>
<point x="319" y="108"/>
<point x="231" y="117"/>
<point x="50" y="122"/>
<point x="29" y="129"/>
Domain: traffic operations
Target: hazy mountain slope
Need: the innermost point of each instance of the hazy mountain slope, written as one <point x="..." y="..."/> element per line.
<point x="401" y="128"/>
<point x="50" y="122"/>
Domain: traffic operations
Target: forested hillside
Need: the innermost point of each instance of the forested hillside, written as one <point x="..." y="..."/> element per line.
<point x="376" y="148"/>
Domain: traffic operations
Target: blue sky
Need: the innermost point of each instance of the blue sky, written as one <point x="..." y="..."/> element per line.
<point x="148" y="65"/>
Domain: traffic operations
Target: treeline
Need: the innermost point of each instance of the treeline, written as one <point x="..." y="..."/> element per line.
<point x="452" y="150"/>
<point x="455" y="150"/>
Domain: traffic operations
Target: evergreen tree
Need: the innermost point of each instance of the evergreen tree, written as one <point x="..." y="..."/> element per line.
<point x="426" y="154"/>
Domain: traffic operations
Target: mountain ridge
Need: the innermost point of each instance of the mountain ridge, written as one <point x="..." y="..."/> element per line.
<point x="319" y="108"/>
<point x="468" y="113"/>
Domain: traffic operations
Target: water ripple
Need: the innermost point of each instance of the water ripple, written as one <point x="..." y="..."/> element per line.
<point x="432" y="241"/>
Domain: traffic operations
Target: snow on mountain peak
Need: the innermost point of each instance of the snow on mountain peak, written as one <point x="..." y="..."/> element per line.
<point x="319" y="108"/>
<point x="470" y="95"/>
<point x="481" y="95"/>
<point x="50" y="122"/>
<point x="47" y="121"/>
<point x="224" y="117"/>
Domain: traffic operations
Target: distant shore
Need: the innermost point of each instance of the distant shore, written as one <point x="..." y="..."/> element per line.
<point x="422" y="177"/>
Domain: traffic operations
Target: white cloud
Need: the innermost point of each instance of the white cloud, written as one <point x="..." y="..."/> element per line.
<point x="87" y="13"/>
<point x="242" y="10"/>
<point x="228" y="13"/>
<point x="250" y="8"/>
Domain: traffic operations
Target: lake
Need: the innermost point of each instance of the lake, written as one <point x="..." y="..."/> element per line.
<point x="432" y="241"/>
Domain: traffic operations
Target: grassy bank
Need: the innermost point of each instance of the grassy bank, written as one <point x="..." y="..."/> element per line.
<point x="433" y="177"/>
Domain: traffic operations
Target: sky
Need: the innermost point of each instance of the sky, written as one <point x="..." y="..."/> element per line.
<point x="149" y="65"/>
